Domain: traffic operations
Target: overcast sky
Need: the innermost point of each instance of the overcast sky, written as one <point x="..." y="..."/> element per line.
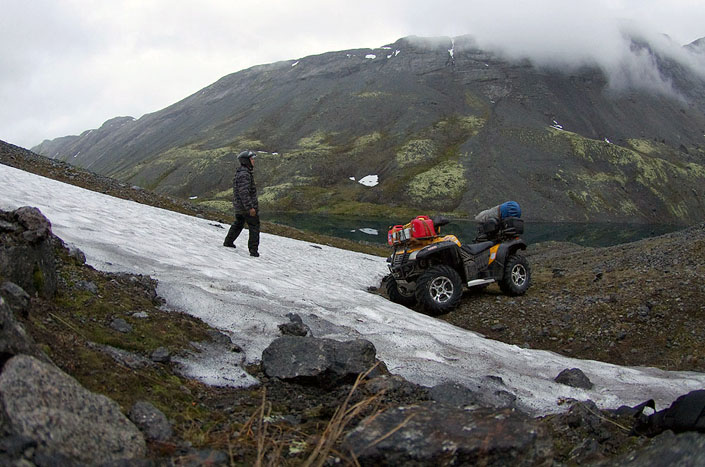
<point x="68" y="65"/>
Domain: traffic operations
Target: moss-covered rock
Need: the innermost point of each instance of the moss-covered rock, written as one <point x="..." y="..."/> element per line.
<point x="446" y="181"/>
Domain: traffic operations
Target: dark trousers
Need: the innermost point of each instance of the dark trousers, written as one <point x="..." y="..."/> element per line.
<point x="236" y="228"/>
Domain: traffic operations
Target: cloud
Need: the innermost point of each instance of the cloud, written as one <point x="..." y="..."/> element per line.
<point x="68" y="66"/>
<point x="564" y="35"/>
<point x="627" y="54"/>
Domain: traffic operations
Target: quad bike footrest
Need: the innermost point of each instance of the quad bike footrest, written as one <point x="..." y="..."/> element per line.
<point x="476" y="282"/>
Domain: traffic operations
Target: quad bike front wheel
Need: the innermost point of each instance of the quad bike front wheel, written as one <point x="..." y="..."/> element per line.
<point x="439" y="289"/>
<point x="397" y="295"/>
<point x="517" y="276"/>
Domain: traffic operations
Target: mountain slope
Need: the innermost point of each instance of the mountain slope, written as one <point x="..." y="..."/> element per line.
<point x="445" y="125"/>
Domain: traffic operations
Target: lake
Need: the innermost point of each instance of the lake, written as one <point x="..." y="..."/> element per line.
<point x="375" y="230"/>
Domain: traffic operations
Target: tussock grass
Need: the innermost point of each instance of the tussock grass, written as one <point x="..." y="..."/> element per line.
<point x="279" y="444"/>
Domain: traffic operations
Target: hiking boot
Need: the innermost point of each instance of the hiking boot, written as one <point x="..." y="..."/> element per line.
<point x="229" y="245"/>
<point x="254" y="253"/>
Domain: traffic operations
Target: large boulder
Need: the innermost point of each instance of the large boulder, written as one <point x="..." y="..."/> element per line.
<point x="687" y="413"/>
<point x="687" y="449"/>
<point x="26" y="251"/>
<point x="437" y="434"/>
<point x="65" y="420"/>
<point x="488" y="391"/>
<point x="324" y="362"/>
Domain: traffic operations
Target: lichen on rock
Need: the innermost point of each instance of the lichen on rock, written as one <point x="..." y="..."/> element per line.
<point x="445" y="180"/>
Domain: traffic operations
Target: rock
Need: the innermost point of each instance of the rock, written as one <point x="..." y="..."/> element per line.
<point x="574" y="377"/>
<point x="45" y="404"/>
<point x="37" y="227"/>
<point x="14" y="340"/>
<point x="88" y="286"/>
<point x="295" y="326"/>
<point x="645" y="408"/>
<point x="686" y="413"/>
<point x="436" y="434"/>
<point x="120" y="325"/>
<point x="161" y="355"/>
<point x="16" y="298"/>
<point x="8" y="226"/>
<point x="324" y="362"/>
<point x="588" y="449"/>
<point x="55" y="458"/>
<point x="77" y="254"/>
<point x="485" y="392"/>
<point x="218" y="337"/>
<point x="222" y="339"/>
<point x="294" y="329"/>
<point x="393" y="384"/>
<point x="687" y="449"/>
<point x="295" y="318"/>
<point x="123" y="357"/>
<point x="27" y="254"/>
<point x="151" y="421"/>
<point x="15" y="447"/>
<point x="140" y="315"/>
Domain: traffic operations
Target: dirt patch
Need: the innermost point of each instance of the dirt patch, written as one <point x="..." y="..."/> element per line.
<point x="639" y="304"/>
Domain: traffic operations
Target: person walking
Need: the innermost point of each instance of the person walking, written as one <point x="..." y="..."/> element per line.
<point x="245" y="204"/>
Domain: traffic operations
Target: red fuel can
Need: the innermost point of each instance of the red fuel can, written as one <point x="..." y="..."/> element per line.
<point x="422" y="226"/>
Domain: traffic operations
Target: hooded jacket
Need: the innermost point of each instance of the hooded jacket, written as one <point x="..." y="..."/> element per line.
<point x="244" y="190"/>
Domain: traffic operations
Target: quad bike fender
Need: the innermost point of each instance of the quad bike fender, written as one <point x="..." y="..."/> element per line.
<point x="447" y="246"/>
<point x="505" y="250"/>
<point x="509" y="248"/>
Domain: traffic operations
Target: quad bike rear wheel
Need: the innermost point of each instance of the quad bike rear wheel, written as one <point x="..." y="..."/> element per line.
<point x="517" y="276"/>
<point x="439" y="289"/>
<point x="397" y="295"/>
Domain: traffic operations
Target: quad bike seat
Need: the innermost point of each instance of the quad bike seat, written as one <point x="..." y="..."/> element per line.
<point x="476" y="248"/>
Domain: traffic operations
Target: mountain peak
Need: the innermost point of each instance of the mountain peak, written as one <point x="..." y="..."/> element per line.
<point x="116" y="122"/>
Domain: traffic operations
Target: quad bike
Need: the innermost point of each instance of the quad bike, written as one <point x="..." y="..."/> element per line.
<point x="432" y="269"/>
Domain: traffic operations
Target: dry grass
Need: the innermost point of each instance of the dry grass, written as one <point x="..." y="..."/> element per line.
<point x="342" y="417"/>
<point x="272" y="441"/>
